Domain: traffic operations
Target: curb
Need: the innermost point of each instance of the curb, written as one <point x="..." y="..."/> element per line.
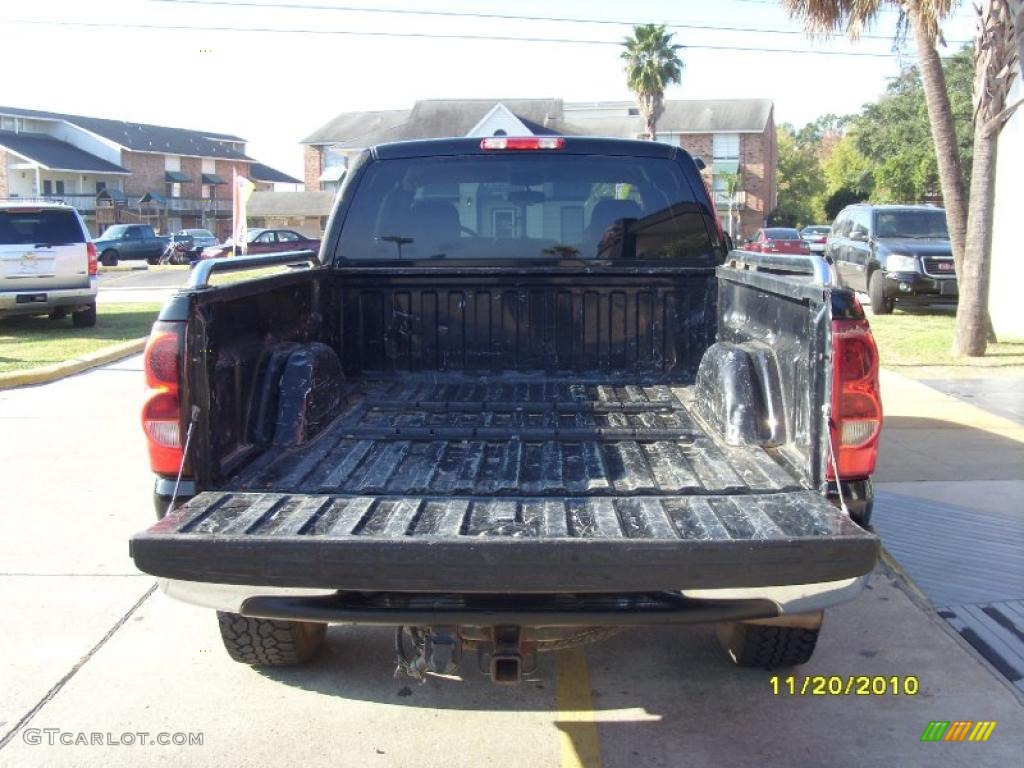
<point x="124" y="268"/>
<point x="49" y="373"/>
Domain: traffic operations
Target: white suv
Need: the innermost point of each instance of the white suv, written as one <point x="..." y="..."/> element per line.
<point x="47" y="262"/>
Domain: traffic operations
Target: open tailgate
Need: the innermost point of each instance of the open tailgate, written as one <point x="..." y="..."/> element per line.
<point x="506" y="544"/>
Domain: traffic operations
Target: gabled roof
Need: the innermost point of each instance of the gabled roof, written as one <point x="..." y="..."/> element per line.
<point x="55" y="155"/>
<point x="143" y="137"/>
<point x="441" y="118"/>
<point x="290" y="203"/>
<point x="261" y="172"/>
<point x="716" y="115"/>
<point x="358" y="129"/>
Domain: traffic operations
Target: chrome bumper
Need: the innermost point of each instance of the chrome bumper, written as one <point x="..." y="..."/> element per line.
<point x="57" y="297"/>
<point x="791" y="600"/>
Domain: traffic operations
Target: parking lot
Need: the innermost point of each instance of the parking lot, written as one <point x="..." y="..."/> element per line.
<point x="91" y="648"/>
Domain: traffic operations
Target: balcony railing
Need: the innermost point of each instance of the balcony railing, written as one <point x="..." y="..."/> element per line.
<point x="84" y="203"/>
<point x="188" y="205"/>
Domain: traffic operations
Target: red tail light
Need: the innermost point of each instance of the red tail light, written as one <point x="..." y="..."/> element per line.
<point x="161" y="415"/>
<point x="93" y="263"/>
<point x="856" y="403"/>
<point x="525" y="142"/>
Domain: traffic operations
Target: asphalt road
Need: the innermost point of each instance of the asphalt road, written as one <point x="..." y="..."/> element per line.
<point x="89" y="647"/>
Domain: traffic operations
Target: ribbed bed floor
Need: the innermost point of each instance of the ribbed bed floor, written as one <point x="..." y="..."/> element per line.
<point x="516" y="438"/>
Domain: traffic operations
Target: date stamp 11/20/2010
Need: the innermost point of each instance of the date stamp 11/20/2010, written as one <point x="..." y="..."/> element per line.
<point x="845" y="685"/>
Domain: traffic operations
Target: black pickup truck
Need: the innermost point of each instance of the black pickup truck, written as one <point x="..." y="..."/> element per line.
<point x="522" y="396"/>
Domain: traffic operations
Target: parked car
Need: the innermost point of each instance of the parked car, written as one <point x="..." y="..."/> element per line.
<point x="496" y="434"/>
<point x="777" y="240"/>
<point x="201" y="239"/>
<point x="130" y="241"/>
<point x="894" y="253"/>
<point x="265" y="241"/>
<point x="47" y="262"/>
<point x="816" y="236"/>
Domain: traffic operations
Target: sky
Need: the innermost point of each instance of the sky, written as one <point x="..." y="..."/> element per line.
<point x="244" y="67"/>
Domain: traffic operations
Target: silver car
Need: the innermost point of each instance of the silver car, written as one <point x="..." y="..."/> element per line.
<point x="47" y="262"/>
<point x="815" y="236"/>
<point x="201" y="238"/>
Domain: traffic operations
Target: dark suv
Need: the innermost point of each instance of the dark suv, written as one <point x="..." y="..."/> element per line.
<point x="894" y="252"/>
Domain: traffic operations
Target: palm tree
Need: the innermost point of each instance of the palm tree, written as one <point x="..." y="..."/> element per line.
<point x="853" y="16"/>
<point x="731" y="188"/>
<point x="1000" y="39"/>
<point x="652" y="65"/>
<point x="995" y="62"/>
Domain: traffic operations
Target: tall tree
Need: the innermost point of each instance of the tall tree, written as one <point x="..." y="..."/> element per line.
<point x="894" y="132"/>
<point x="652" y="65"/>
<point x="800" y="181"/>
<point x="731" y="185"/>
<point x="995" y="65"/>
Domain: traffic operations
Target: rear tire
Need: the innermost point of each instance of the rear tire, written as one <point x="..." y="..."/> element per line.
<point x="84" y="318"/>
<point x="767" y="646"/>
<point x="880" y="305"/>
<point x="109" y="258"/>
<point x="269" y="643"/>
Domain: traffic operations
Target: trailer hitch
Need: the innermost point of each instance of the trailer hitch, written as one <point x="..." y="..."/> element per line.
<point x="507" y="657"/>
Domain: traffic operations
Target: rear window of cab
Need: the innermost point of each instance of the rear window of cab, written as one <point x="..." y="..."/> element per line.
<point x="527" y="207"/>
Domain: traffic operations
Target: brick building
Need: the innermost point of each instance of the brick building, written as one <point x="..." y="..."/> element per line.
<point x="118" y="172"/>
<point x="728" y="135"/>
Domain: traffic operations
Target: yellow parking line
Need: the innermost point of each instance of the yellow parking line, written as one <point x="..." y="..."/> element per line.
<point x="577" y="729"/>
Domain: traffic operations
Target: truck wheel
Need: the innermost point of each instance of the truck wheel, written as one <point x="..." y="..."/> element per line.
<point x="269" y="643"/>
<point x="84" y="318"/>
<point x="109" y="258"/>
<point x="880" y="305"/>
<point x="767" y="646"/>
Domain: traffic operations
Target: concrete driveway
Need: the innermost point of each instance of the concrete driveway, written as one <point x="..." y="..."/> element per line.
<point x="89" y="648"/>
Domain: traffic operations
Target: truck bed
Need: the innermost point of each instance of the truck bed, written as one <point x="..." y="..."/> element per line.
<point x="599" y="488"/>
<point x="452" y="436"/>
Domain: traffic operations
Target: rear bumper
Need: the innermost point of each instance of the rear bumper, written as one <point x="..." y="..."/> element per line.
<point x="60" y="298"/>
<point x="912" y="285"/>
<point x="687" y="607"/>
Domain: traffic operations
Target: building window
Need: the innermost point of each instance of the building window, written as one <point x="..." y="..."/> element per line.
<point x="59" y="185"/>
<point x="47" y="187"/>
<point x="100" y="186"/>
<point x="172" y="163"/>
<point x="503" y="222"/>
<point x="335" y="158"/>
<point x="727" y="146"/>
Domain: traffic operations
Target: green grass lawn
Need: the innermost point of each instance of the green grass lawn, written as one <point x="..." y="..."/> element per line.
<point x="917" y="343"/>
<point x="30" y="342"/>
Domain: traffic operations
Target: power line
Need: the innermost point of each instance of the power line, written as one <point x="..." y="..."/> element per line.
<point x="424" y="35"/>
<point x="499" y="16"/>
